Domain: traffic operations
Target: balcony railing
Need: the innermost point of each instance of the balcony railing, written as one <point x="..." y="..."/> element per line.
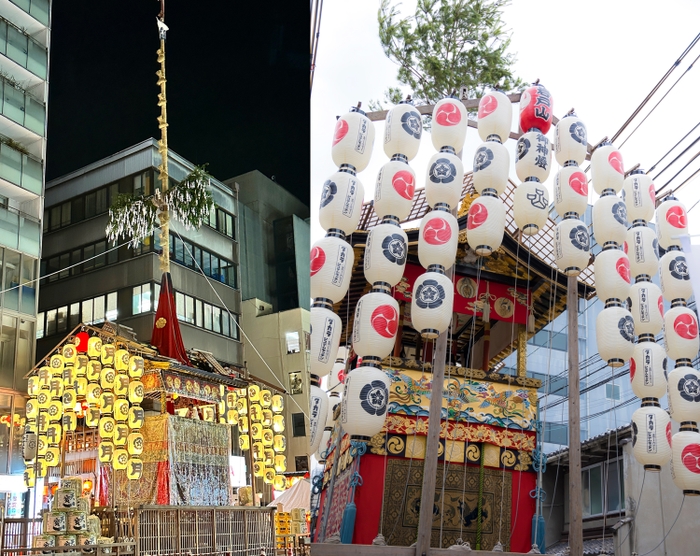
<point x="19" y="107"/>
<point x="38" y="9"/>
<point x="22" y="49"/>
<point x="19" y="231"/>
<point x="20" y="169"/>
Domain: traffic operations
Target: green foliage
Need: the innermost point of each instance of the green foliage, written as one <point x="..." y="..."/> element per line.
<point x="447" y="45"/>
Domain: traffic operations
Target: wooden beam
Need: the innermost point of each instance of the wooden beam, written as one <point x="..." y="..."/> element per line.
<point x="575" y="499"/>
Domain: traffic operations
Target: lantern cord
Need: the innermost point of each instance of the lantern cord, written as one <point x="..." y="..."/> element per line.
<point x="656" y="87"/>
<point x="315" y="29"/>
<point x="240" y="329"/>
<point x="679" y="172"/>
<point x="671" y="150"/>
<point x="661" y="99"/>
<point x="663" y="541"/>
<point x="636" y="511"/>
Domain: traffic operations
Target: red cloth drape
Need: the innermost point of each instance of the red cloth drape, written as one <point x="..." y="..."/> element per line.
<point x="163" y="488"/>
<point x="166" y="329"/>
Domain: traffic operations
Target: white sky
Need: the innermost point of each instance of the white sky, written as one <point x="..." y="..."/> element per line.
<point x="600" y="57"/>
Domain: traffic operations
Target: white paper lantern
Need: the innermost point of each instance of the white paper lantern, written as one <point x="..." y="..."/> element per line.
<point x="495" y="116"/>
<point x="533" y="156"/>
<point x="651" y="436"/>
<point x="611" y="270"/>
<point x="646" y="303"/>
<point x="607" y="169"/>
<point x="684" y="394"/>
<point x="444" y="177"/>
<point x="325" y="336"/>
<point x="639" y="195"/>
<point x="393" y="193"/>
<point x="437" y="239"/>
<point x="570" y="140"/>
<point x="491" y="165"/>
<point x="375" y="325"/>
<point x="332" y="260"/>
<point x="403" y="130"/>
<point x="681" y="327"/>
<point x="615" y="335"/>
<point x="571" y="246"/>
<point x="431" y="306"/>
<point x="486" y="222"/>
<point x="385" y="254"/>
<point x="671" y="222"/>
<point x="642" y="251"/>
<point x="341" y="202"/>
<point x="674" y="276"/>
<point x="536" y="107"/>
<point x="318" y="413"/>
<point x="610" y="220"/>
<point x="530" y="207"/>
<point x="570" y="190"/>
<point x="365" y="402"/>
<point x="449" y="125"/>
<point x="685" y="461"/>
<point x="353" y="139"/>
<point x="648" y="370"/>
<point x="336" y="376"/>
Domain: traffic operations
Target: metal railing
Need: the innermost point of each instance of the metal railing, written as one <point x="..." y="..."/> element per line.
<point x="19" y="532"/>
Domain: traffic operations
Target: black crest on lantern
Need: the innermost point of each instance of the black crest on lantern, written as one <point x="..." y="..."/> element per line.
<point x="328" y="192"/>
<point x="579" y="238"/>
<point x="619" y="211"/>
<point x="537" y="199"/>
<point x="482" y="158"/>
<point x="394" y="249"/>
<point x="626" y="327"/>
<point x="679" y="268"/>
<point x="411" y="124"/>
<point x="578" y="133"/>
<point x="374" y="397"/>
<point x="430" y="295"/>
<point x="689" y="388"/>
<point x="523" y="147"/>
<point x="442" y="171"/>
<point x="635" y="431"/>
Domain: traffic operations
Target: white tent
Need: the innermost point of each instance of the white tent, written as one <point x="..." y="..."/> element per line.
<point x="296" y="497"/>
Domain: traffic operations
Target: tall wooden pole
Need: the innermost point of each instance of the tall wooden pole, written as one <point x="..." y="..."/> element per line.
<point x="575" y="508"/>
<point x="163" y="215"/>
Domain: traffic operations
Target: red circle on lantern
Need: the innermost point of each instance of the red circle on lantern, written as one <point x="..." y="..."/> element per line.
<point x="676" y="217"/>
<point x="668" y="432"/>
<point x="615" y="160"/>
<point x="437" y="231"/>
<point x="478" y="214"/>
<point x="448" y="114"/>
<point x="690" y="456"/>
<point x="318" y="259"/>
<point x="686" y="326"/>
<point x="341" y="130"/>
<point x="385" y="321"/>
<point x="404" y="183"/>
<point x="652" y="193"/>
<point x="81" y="341"/>
<point x="661" y="305"/>
<point x="623" y="268"/>
<point x="578" y="182"/>
<point x="487" y="105"/>
<point x="625" y="247"/>
<point x="633" y="368"/>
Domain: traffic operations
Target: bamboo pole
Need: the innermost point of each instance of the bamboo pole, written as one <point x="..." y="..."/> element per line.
<point x="163" y="215"/>
<point x="575" y="509"/>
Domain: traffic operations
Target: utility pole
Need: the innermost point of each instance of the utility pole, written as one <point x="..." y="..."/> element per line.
<point x="575" y="509"/>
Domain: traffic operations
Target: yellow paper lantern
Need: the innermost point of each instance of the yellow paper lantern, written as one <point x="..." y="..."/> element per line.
<point x="268" y="437"/>
<point x="258" y="468"/>
<point x="256" y="431"/>
<point x="136" y="392"/>
<point x="43" y="398"/>
<point x="136" y="417"/>
<point x="254" y="392"/>
<point x="81" y="386"/>
<point x="278" y="423"/>
<point x="136" y="365"/>
<point x="121" y="385"/>
<point x="242" y="424"/>
<point x="31" y="426"/>
<point x="277" y="403"/>
<point x="255" y="412"/>
<point x="56" y="363"/>
<point x="68" y="375"/>
<point x="94" y="347"/>
<point x="242" y="406"/>
<point x="69" y="399"/>
<point x="244" y="442"/>
<point x="232" y="416"/>
<point x="52" y="457"/>
<point x="33" y="385"/>
<point x="94" y="369"/>
<point x="92" y="417"/>
<point x="55" y="410"/>
<point x="32" y="408"/>
<point x="134" y="469"/>
<point x="42" y="444"/>
<point x="120" y="459"/>
<point x="135" y="443"/>
<point x="221" y="410"/>
<point x="266" y="418"/>
<point x="69" y="354"/>
<point x="40" y="468"/>
<point x="121" y="434"/>
<point x="81" y="364"/>
<point x="53" y="433"/>
<point x="108" y="376"/>
<point x="107" y="354"/>
<point x="265" y="398"/>
<point x="279" y="482"/>
<point x="269" y="475"/>
<point x="93" y="392"/>
<point x="56" y="388"/>
<point x="280" y="464"/>
<point x="106" y="427"/>
<point x="279" y="443"/>
<point x="45" y="376"/>
<point x="231" y="399"/>
<point x="269" y="457"/>
<point x="121" y="360"/>
<point x="121" y="409"/>
<point x="105" y="451"/>
<point x="258" y="451"/>
<point x="29" y="479"/>
<point x="70" y="421"/>
<point x="43" y="422"/>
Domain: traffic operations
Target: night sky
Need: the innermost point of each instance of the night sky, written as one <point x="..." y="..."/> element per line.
<point x="238" y="85"/>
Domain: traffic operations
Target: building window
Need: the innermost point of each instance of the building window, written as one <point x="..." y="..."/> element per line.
<point x="603" y="488"/>
<point x="301" y="463"/>
<point x="295" y="383"/>
<point x="292" y="342"/>
<point x="298" y="425"/>
<point x="612" y="391"/>
<point x="141" y="301"/>
<point x="556" y="433"/>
